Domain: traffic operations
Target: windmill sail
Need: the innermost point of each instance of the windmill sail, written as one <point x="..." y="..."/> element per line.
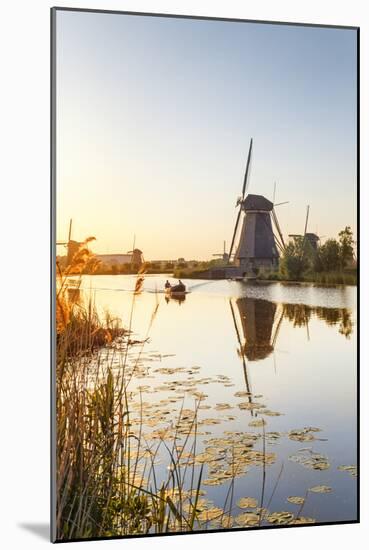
<point x="241" y="199"/>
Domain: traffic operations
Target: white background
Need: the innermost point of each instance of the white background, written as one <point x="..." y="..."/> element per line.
<point x="24" y="260"/>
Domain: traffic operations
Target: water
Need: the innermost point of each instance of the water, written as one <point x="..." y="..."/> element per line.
<point x="292" y="345"/>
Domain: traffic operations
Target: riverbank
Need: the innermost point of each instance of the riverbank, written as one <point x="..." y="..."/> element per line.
<point x="347" y="277"/>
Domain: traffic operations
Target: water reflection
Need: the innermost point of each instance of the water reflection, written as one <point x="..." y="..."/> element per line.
<point x="179" y="298"/>
<point x="257" y="321"/>
<point x="192" y="352"/>
<point x="300" y="315"/>
<point x="260" y="322"/>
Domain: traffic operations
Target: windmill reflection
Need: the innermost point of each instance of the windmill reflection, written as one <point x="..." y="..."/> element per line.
<point x="257" y="324"/>
<point x="261" y="320"/>
<point x="260" y="324"/>
<point x="257" y="320"/>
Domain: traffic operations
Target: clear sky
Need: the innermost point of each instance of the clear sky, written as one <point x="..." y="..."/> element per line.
<point x="154" y="119"/>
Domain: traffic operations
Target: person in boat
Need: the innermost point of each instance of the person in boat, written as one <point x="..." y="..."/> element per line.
<point x="181" y="286"/>
<point x="168" y="285"/>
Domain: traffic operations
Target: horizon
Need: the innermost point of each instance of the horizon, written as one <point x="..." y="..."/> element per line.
<point x="154" y="143"/>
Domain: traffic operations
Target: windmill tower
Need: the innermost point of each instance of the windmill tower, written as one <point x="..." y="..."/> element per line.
<point x="257" y="245"/>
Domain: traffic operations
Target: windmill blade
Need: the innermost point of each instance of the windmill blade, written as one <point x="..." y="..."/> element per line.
<point x="280" y="246"/>
<point x="244" y="188"/>
<point x="247" y="171"/>
<point x="305" y="229"/>
<point x="278" y="227"/>
<point x="307" y="218"/>
<point x="70" y="230"/>
<point x="277" y="328"/>
<point x="280" y="203"/>
<point x="235" y="231"/>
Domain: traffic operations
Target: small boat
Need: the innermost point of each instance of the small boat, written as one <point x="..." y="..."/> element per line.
<point x="176" y="289"/>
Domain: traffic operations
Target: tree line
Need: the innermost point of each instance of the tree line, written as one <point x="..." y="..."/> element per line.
<point x="301" y="259"/>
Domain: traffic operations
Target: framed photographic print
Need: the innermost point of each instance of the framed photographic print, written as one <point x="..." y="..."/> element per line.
<point x="205" y="179"/>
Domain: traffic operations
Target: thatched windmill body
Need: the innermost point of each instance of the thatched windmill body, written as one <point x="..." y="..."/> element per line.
<point x="258" y="244"/>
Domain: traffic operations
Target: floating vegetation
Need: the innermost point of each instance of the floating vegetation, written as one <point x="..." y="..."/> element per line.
<point x="246" y="405"/>
<point x="350" y="469"/>
<point x="222" y="406"/>
<point x="210" y="514"/>
<point x="267" y="412"/>
<point x="280" y="518"/>
<point x="242" y="394"/>
<point x="257" y="423"/>
<point x="247" y="502"/>
<point x="296" y="500"/>
<point x="232" y="456"/>
<point x="248" y="519"/>
<point x="303" y="520"/>
<point x="170" y="371"/>
<point x="310" y="459"/>
<point x="272" y="437"/>
<point x="305" y="434"/>
<point x="227" y="522"/>
<point x="320" y="489"/>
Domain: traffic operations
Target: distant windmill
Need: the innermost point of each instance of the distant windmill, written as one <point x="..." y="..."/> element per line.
<point x="257" y="246"/>
<point x="223" y="255"/>
<point x="311" y="238"/>
<point x="72" y="246"/>
<point x="137" y="258"/>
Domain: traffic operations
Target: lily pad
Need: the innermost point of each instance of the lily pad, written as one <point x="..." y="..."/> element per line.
<point x="321" y="489"/>
<point x="280" y="518"/>
<point x="303" y="520"/>
<point x="247" y="502"/>
<point x="351" y="469"/>
<point x="296" y="500"/>
<point x="247" y="519"/>
<point x="257" y="423"/>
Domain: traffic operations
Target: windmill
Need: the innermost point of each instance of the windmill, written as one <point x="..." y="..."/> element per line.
<point x="72" y="246"/>
<point x="224" y="254"/>
<point x="311" y="238"/>
<point x="137" y="258"/>
<point x="258" y="244"/>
